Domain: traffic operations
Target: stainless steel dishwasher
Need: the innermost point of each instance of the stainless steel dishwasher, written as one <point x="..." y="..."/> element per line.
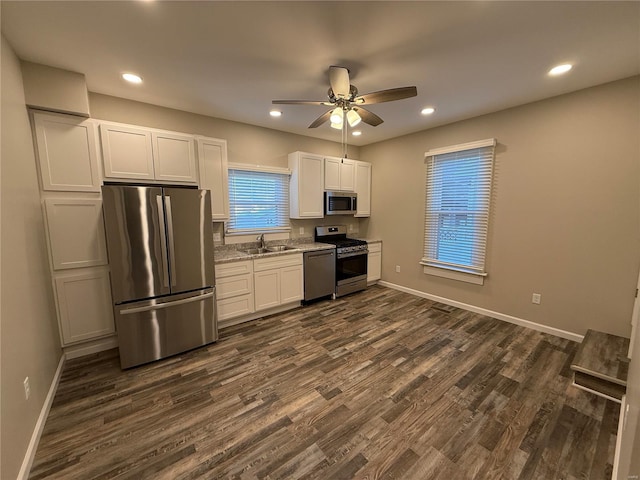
<point x="319" y="274"/>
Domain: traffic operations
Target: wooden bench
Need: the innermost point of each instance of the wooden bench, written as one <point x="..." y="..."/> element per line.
<point x="601" y="365"/>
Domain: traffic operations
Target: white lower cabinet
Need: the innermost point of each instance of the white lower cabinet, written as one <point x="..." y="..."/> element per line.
<point x="374" y="262"/>
<point x="83" y="301"/>
<point x="278" y="280"/>
<point x="234" y="289"/>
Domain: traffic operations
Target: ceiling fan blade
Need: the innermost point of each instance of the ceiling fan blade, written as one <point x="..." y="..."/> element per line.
<point x="368" y="117"/>
<point x="300" y="102"/>
<point x="339" y="80"/>
<point x="321" y="119"/>
<point x="386" y="95"/>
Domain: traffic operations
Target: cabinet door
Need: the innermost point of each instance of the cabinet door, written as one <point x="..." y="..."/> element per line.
<point x="84" y="305"/>
<point x="174" y="158"/>
<point x="307" y="187"/>
<point x="212" y="161"/>
<point x="363" y="189"/>
<point x="127" y="152"/>
<point x="347" y="175"/>
<point x="266" y="289"/>
<point x="291" y="284"/>
<point x="67" y="153"/>
<point x="374" y="266"/>
<point x="332" y="173"/>
<point x="75" y="230"/>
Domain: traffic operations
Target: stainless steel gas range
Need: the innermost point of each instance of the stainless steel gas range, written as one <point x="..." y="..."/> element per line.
<point x="351" y="258"/>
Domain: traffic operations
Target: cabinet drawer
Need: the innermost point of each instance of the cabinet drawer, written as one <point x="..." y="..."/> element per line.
<point x="262" y="264"/>
<point x="228" y="287"/>
<point x="374" y="247"/>
<point x="235" y="307"/>
<point x="234" y="268"/>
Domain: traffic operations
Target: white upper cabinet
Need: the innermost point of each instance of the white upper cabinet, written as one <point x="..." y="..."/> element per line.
<point x="306" y="187"/>
<point x="339" y="174"/>
<point x="67" y="151"/>
<point x="130" y="152"/>
<point x="76" y="232"/>
<point x="174" y="157"/>
<point x="363" y="188"/>
<point x="127" y="152"/>
<point x="212" y="162"/>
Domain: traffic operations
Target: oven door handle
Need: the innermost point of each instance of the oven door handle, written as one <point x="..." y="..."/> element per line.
<point x="353" y="254"/>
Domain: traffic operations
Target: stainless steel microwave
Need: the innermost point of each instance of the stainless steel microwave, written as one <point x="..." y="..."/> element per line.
<point x="340" y="203"/>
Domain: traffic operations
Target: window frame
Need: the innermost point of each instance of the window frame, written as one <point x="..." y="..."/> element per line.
<point x="284" y="172"/>
<point x="475" y="270"/>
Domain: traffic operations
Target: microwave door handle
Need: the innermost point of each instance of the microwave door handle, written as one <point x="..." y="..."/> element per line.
<point x="355" y="203"/>
<point x="163" y="241"/>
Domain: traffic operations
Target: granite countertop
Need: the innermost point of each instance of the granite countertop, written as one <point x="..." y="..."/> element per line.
<point x="235" y="253"/>
<point x="369" y="240"/>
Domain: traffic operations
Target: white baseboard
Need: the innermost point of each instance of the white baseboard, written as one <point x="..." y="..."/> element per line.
<point x="42" y="419"/>
<point x="490" y="313"/>
<point x="95" y="346"/>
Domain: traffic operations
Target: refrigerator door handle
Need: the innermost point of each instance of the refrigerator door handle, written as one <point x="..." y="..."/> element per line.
<point x="159" y="306"/>
<point x="163" y="241"/>
<point x="172" y="249"/>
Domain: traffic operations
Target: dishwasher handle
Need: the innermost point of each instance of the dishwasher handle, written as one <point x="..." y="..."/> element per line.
<point x="324" y="253"/>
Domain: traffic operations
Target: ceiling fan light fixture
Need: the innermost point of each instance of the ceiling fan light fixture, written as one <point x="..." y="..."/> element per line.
<point x="337" y="126"/>
<point x="336" y="116"/>
<point x="353" y="118"/>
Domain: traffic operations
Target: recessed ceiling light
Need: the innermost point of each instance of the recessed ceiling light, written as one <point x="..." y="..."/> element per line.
<point x="275" y="113"/>
<point x="560" y="69"/>
<point x="428" y="111"/>
<point x="356" y="133"/>
<point x="132" y="78"/>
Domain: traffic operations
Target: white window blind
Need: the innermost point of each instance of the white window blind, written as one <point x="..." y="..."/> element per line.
<point x="458" y="193"/>
<point x="258" y="201"/>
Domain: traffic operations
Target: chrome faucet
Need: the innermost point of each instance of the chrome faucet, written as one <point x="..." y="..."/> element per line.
<point x="261" y="240"/>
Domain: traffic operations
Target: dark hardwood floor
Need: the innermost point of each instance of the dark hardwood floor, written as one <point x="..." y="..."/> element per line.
<point x="379" y="384"/>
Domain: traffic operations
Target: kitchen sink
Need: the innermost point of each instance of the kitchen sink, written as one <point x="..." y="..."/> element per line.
<point x="271" y="249"/>
<point x="279" y="248"/>
<point x="254" y="251"/>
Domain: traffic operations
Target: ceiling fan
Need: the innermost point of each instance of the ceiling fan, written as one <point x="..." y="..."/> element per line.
<point x="346" y="103"/>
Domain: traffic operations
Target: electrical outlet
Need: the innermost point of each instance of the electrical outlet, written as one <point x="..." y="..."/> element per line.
<point x="301" y="230"/>
<point x="27" y="388"/>
<point x="351" y="227"/>
<point x="217" y="237"/>
<point x="536" y="298"/>
<point x="397" y="268"/>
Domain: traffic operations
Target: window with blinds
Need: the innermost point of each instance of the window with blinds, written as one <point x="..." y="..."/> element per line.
<point x="258" y="201"/>
<point x="458" y="194"/>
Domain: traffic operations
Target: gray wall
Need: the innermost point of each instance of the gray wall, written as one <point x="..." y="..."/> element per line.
<point x="30" y="342"/>
<point x="565" y="213"/>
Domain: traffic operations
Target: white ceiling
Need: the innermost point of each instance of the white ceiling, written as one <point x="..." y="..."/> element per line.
<point x="230" y="59"/>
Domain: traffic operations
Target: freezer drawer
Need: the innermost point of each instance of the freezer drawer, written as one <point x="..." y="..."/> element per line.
<point x="155" y="329"/>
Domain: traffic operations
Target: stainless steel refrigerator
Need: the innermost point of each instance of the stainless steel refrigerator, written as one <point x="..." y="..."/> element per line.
<point x="160" y="244"/>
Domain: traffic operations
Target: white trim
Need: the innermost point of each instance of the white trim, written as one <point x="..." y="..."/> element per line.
<point x="233" y="238"/>
<point x="30" y="454"/>
<point x="489" y="142"/>
<point x="258" y="168"/>
<point x="595" y="392"/>
<point x="490" y="313"/>
<point x="87" y="348"/>
<point x="454" y="274"/>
